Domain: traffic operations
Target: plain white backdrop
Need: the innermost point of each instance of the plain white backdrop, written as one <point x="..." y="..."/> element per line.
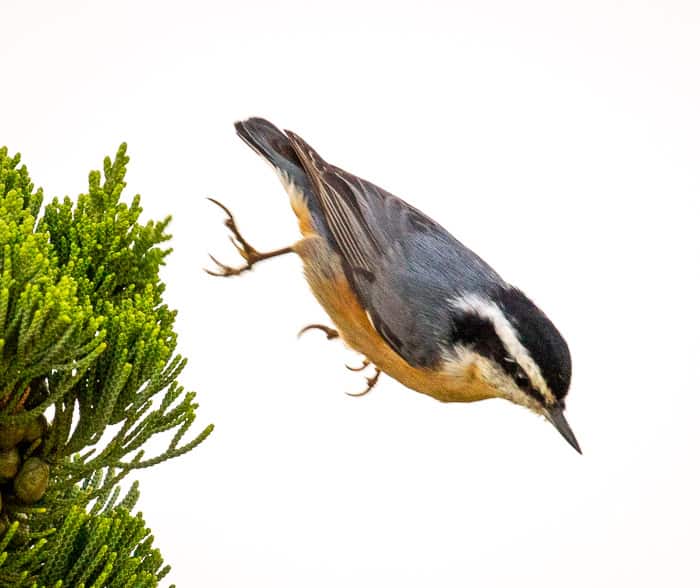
<point x="559" y="140"/>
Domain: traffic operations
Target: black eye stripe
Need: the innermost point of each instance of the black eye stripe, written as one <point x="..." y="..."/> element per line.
<point x="540" y="337"/>
<point x="522" y="380"/>
<point x="479" y="335"/>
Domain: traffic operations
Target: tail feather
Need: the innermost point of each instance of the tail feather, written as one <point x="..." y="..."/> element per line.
<point x="272" y="144"/>
<point x="275" y="146"/>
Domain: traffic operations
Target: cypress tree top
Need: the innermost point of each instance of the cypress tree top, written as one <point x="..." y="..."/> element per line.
<point x="87" y="375"/>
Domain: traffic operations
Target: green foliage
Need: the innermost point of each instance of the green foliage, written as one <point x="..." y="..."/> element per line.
<point x="84" y="335"/>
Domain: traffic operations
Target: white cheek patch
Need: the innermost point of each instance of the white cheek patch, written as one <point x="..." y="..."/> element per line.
<point x="458" y="362"/>
<point x="508" y="336"/>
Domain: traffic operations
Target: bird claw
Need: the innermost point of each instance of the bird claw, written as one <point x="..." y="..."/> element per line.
<point x="249" y="253"/>
<point x="330" y="332"/>
<point x="371" y="383"/>
<point x="227" y="270"/>
<point x="365" y="363"/>
<point x="334" y="334"/>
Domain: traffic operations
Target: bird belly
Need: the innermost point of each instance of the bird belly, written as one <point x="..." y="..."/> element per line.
<point x="324" y="273"/>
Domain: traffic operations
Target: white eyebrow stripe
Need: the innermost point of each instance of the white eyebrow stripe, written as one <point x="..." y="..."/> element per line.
<point x="486" y="309"/>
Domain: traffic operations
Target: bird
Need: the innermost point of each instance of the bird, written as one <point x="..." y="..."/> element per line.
<point x="404" y="293"/>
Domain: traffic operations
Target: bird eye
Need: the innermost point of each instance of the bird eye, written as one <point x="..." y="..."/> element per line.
<point x="521" y="379"/>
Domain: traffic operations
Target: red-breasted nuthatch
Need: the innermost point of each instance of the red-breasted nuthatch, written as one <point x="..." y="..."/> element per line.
<point x="407" y="295"/>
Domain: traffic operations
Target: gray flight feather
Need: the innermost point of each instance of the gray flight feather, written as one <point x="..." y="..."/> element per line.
<point x="403" y="265"/>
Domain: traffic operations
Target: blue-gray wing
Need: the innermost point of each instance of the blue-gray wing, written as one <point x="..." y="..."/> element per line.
<point x="404" y="267"/>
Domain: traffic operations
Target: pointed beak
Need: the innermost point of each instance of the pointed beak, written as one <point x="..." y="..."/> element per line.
<point x="555" y="415"/>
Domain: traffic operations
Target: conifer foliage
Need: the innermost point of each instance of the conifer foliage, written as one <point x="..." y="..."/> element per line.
<point x="87" y="375"/>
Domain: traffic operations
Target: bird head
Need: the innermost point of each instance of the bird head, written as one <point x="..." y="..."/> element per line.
<point x="511" y="346"/>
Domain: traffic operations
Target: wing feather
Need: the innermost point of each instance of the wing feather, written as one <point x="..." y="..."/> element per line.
<point x="340" y="203"/>
<point x="403" y="266"/>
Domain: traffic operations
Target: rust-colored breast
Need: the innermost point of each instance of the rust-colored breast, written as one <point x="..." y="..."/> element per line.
<point x="324" y="273"/>
<point x="306" y="224"/>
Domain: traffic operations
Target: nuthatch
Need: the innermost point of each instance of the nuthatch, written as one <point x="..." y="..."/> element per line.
<point x="407" y="295"/>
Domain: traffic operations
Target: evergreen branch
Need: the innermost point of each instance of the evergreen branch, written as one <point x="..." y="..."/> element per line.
<point x="85" y="337"/>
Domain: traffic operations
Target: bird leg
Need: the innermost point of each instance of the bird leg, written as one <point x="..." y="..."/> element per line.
<point x="371" y="383"/>
<point x="247" y="251"/>
<point x="330" y="332"/>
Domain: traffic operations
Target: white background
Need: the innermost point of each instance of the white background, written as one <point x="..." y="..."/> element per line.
<point x="557" y="139"/>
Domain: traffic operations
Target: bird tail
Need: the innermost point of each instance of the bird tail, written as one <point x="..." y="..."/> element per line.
<point x="272" y="144"/>
<point x="276" y="148"/>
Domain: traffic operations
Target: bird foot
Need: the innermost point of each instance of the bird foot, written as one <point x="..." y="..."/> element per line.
<point x="246" y="250"/>
<point x="363" y="365"/>
<point x="330" y="332"/>
<point x="371" y="383"/>
<point x="334" y="334"/>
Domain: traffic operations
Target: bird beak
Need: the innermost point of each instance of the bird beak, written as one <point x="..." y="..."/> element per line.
<point x="555" y="415"/>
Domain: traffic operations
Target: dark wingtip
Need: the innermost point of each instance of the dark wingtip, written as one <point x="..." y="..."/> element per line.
<point x="304" y="151"/>
<point x="294" y="138"/>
